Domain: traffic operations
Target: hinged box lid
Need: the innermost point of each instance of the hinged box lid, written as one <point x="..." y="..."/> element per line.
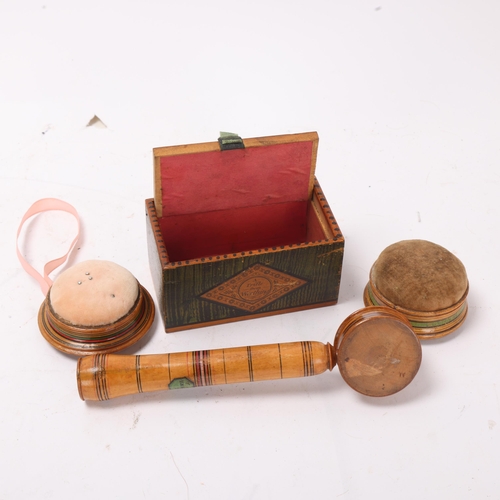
<point x="199" y="178"/>
<point x="235" y="195"/>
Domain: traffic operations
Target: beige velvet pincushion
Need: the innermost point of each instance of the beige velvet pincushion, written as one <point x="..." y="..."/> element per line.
<point x="424" y="281"/>
<point x="94" y="293"/>
<point x="93" y="307"/>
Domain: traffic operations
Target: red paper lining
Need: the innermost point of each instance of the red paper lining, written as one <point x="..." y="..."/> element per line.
<point x="224" y="202"/>
<point x="223" y="180"/>
<point x="207" y="234"/>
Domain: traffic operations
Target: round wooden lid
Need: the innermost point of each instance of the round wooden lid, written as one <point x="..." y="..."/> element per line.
<point x="378" y="353"/>
<point x="419" y="275"/>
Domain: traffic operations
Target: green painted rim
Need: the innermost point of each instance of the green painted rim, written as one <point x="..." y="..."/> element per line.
<point x="421" y="324"/>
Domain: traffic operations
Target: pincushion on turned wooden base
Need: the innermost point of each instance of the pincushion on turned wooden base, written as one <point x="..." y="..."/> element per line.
<point x="95" y="307"/>
<point x="425" y="282"/>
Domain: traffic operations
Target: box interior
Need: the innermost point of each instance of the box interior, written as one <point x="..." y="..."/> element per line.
<point x="221" y="202"/>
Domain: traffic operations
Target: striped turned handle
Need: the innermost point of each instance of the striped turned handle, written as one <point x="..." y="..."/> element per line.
<point x="107" y="376"/>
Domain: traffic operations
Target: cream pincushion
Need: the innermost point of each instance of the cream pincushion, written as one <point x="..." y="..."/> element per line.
<point x="93" y="293"/>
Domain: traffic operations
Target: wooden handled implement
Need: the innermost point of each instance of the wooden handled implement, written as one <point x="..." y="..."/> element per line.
<point x="377" y="352"/>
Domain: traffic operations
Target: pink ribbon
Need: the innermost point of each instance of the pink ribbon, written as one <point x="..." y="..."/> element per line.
<point x="39" y="206"/>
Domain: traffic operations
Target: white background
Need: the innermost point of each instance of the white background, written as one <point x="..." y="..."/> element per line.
<point x="405" y="97"/>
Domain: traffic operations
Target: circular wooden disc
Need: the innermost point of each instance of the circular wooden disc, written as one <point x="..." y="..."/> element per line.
<point x="378" y="353"/>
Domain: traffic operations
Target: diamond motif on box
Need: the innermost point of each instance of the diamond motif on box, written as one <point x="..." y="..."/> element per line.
<point x="254" y="288"/>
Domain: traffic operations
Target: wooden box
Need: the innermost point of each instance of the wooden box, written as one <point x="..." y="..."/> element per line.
<point x="241" y="232"/>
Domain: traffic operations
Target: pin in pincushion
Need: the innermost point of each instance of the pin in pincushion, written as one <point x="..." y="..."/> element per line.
<point x="95" y="307"/>
<point x="425" y="282"/>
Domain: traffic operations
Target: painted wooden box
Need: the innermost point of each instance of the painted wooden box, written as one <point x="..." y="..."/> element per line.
<point x="240" y="229"/>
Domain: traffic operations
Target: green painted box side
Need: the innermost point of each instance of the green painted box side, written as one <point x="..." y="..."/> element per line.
<point x="184" y="287"/>
<point x="188" y="292"/>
